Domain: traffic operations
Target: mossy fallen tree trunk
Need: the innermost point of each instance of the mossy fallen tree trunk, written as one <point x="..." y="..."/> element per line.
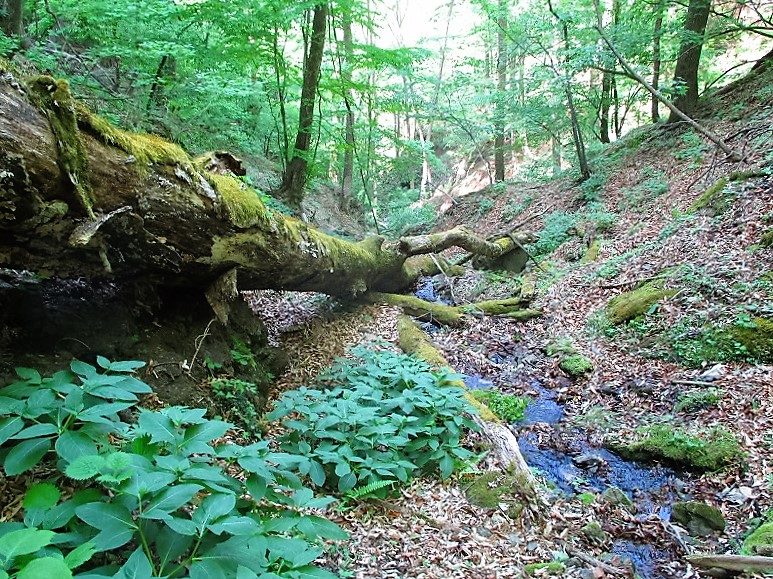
<point x="453" y="315"/>
<point x="82" y="199"/>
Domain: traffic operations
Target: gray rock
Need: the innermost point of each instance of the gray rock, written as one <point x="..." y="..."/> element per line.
<point x="700" y="519"/>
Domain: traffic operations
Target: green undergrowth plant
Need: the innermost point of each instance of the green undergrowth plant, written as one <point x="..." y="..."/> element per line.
<point x="160" y="496"/>
<point x="506" y="406"/>
<point x="378" y="417"/>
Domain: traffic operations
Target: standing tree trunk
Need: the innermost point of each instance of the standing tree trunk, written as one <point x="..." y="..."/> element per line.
<point x="579" y="145"/>
<point x="656" y="62"/>
<point x="13" y="23"/>
<point x="688" y="62"/>
<point x="347" y="175"/>
<point x="294" y="180"/>
<point x="606" y="103"/>
<point x="499" y="112"/>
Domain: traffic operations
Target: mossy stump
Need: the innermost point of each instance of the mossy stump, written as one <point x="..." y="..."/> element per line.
<point x="756" y="338"/>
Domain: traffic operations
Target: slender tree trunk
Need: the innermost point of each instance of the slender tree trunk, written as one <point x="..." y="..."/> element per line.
<point x="606" y="102"/>
<point x="346" y="78"/>
<point x="294" y="180"/>
<point x="13" y="23"/>
<point x="499" y="112"/>
<point x="656" y="59"/>
<point x="579" y="145"/>
<point x="688" y="62"/>
<point x="555" y="155"/>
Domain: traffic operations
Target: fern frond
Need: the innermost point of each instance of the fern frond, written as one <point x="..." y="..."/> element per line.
<point x="369" y="489"/>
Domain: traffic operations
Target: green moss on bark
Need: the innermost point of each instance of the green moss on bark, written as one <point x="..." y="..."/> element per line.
<point x="714" y="199"/>
<point x="53" y="97"/>
<point x="760" y="541"/>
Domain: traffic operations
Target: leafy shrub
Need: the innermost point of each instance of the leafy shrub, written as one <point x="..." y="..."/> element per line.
<point x="383" y="416"/>
<point x="692" y="401"/>
<point x="556" y="230"/>
<point x="239" y="397"/>
<point x="592" y="187"/>
<point x="155" y="498"/>
<point x="507" y="407"/>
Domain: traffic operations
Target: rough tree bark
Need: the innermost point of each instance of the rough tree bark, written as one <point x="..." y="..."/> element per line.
<point x="689" y="57"/>
<point x="12" y="23"/>
<point x="294" y="180"/>
<point x="81" y="199"/>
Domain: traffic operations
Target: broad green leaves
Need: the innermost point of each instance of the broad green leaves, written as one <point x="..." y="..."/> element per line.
<point x="160" y="489"/>
<point x="384" y="417"/>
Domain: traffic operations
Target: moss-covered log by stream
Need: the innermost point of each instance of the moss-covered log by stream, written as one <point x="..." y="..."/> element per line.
<point x="82" y="199"/>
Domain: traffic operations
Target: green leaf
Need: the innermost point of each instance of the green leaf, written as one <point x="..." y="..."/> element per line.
<point x="309" y="572"/>
<point x="317" y="527"/>
<point x="114" y="521"/>
<point x="210" y="569"/>
<point x="137" y="566"/>
<point x="347" y="482"/>
<point x="85" y="467"/>
<point x="80" y="555"/>
<point x="235" y="526"/>
<point x="98" y="411"/>
<point x="170" y="500"/>
<point x="182" y="526"/>
<point x="103" y="362"/>
<point x="9" y="427"/>
<point x="83" y="369"/>
<point x="72" y="445"/>
<point x="24" y="542"/>
<point x="158" y="426"/>
<point x="446" y="466"/>
<point x="126" y="366"/>
<point x="317" y="473"/>
<point x="47" y="567"/>
<point x="41" y="496"/>
<point x="36" y="431"/>
<point x="25" y="455"/>
<point x="29" y="374"/>
<point x="198" y="436"/>
<point x="170" y="545"/>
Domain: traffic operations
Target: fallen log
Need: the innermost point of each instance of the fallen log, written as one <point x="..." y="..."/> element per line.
<point x="740" y="563"/>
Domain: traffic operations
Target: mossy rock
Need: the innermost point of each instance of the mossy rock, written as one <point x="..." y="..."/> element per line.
<point x="594" y="533"/>
<point x="712" y="451"/>
<point x="487" y="490"/>
<point x="699" y="518"/>
<point x="616" y="496"/>
<point x="767" y="239"/>
<point x="550" y="568"/>
<point x="576" y="365"/>
<point x="760" y="542"/>
<point x="636" y="303"/>
<point x="715" y="199"/>
<point x="757" y="339"/>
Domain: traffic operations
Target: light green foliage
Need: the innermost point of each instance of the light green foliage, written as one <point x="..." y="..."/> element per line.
<point x="382" y="416"/>
<point x="484" y="206"/>
<point x="708" y="451"/>
<point x="586" y="499"/>
<point x="691" y="148"/>
<point x="557" y="229"/>
<point x="560" y="345"/>
<point x="507" y="407"/>
<point x="157" y="497"/>
<point x="692" y="401"/>
<point x="515" y="208"/>
<point x="238" y="399"/>
<point x="403" y="215"/>
<point x="576" y="365"/>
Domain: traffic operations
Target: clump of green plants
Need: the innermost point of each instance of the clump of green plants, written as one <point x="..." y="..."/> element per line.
<point x="239" y="401"/>
<point x="506" y="406"/>
<point x="693" y="401"/>
<point x="162" y="496"/>
<point x="557" y="228"/>
<point x="560" y="345"/>
<point x="708" y="451"/>
<point x="693" y="149"/>
<point x="513" y="210"/>
<point x="550" y="568"/>
<point x="653" y="185"/>
<point x="380" y="416"/>
<point x="484" y="206"/>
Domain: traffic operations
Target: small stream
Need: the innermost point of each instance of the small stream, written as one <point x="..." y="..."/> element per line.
<point x="592" y="469"/>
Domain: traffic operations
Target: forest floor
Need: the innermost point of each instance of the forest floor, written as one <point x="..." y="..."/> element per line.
<point x="646" y="372"/>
